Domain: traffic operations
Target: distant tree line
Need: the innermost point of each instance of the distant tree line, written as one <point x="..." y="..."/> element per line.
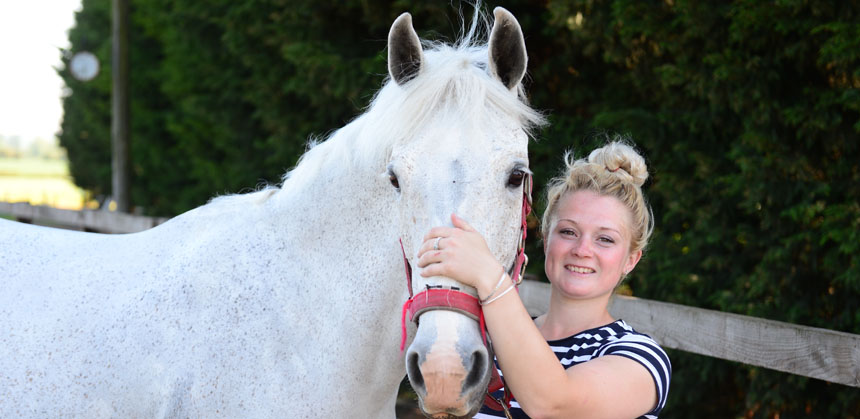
<point x="15" y="147"/>
<point x="747" y="111"/>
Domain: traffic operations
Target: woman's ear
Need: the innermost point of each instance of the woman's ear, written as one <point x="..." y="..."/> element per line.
<point x="632" y="260"/>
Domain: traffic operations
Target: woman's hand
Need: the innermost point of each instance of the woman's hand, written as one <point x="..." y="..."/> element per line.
<point x="462" y="255"/>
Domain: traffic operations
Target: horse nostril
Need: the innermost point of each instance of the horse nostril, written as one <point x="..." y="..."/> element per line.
<point x="478" y="370"/>
<point x="415" y="377"/>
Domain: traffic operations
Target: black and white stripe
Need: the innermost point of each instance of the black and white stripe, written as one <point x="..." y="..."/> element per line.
<point x="616" y="338"/>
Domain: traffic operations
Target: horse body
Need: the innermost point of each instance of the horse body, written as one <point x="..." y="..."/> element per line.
<point x="285" y="302"/>
<point x="229" y="310"/>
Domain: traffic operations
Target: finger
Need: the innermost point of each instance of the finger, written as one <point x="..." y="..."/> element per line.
<point x="438" y="232"/>
<point x="461" y="223"/>
<point x="434" y="269"/>
<point x="429" y="258"/>
<point x="429" y="245"/>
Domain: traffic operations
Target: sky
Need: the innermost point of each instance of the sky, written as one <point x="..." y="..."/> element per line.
<point x="31" y="35"/>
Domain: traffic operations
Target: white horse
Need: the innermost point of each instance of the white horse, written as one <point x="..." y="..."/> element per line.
<point x="285" y="302"/>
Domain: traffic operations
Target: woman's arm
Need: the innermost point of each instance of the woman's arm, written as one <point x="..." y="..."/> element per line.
<point x="609" y="386"/>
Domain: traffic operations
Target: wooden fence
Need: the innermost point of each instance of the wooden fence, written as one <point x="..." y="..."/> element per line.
<point x="808" y="351"/>
<point x="99" y="221"/>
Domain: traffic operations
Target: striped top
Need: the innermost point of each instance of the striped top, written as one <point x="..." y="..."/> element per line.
<point x="616" y="338"/>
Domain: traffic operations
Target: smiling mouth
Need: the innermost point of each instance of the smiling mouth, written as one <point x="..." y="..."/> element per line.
<point x="579" y="269"/>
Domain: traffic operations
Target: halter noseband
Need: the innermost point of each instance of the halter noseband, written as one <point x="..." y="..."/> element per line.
<point x="438" y="297"/>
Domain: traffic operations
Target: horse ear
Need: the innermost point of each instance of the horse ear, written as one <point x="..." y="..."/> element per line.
<point x="404" y="50"/>
<point x="507" y="49"/>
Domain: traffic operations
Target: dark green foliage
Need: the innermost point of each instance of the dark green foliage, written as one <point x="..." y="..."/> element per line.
<point x="159" y="170"/>
<point x="748" y="113"/>
<point x="86" y="106"/>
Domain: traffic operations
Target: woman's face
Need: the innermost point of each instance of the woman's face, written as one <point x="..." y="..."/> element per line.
<point x="588" y="248"/>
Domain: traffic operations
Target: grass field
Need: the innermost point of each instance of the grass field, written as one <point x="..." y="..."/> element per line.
<point x="39" y="182"/>
<point x="33" y="167"/>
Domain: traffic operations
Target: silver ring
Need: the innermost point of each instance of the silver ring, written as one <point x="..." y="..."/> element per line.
<point x="436" y="243"/>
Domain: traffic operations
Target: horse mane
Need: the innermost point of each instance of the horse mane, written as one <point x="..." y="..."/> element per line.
<point x="454" y="79"/>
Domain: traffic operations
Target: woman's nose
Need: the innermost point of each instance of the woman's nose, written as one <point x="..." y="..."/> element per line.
<point x="581" y="247"/>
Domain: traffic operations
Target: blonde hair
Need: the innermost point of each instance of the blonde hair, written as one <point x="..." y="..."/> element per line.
<point x="616" y="170"/>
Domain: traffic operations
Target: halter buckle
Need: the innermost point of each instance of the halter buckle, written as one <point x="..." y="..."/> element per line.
<point x="522" y="270"/>
<point x="527" y="190"/>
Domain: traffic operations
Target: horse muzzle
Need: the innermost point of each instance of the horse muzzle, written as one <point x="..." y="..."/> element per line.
<point x="448" y="365"/>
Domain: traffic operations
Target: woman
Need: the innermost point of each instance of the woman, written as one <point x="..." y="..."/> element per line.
<point x="575" y="360"/>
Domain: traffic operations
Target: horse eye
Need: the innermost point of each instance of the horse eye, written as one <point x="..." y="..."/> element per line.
<point x="393" y="179"/>
<point x="516" y="178"/>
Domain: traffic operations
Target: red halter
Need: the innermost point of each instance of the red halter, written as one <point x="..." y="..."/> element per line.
<point x="441" y="298"/>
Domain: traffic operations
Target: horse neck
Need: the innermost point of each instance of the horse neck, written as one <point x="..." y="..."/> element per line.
<point x="348" y="242"/>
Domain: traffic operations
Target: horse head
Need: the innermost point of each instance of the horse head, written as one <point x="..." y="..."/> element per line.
<point x="466" y="152"/>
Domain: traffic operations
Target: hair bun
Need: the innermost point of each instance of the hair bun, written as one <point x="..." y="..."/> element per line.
<point x="622" y="160"/>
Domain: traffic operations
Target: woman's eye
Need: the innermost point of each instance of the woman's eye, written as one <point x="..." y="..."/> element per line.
<point x="568" y="232"/>
<point x="516" y="178"/>
<point x="607" y="240"/>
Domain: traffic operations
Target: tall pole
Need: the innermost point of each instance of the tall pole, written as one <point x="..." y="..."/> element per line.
<point x="120" y="121"/>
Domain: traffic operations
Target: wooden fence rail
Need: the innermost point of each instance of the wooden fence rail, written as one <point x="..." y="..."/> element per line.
<point x="808" y="351"/>
<point x="87" y="220"/>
